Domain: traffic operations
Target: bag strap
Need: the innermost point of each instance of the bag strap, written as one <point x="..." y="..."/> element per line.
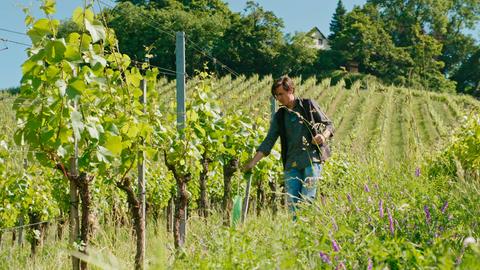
<point x="283" y="136"/>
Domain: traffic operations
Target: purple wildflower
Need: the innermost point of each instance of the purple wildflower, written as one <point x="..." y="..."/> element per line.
<point x="390" y="221"/>
<point x="325" y="257"/>
<point x="427" y="214"/>
<point x="349" y="197"/>
<point x="376" y="186"/>
<point x="370" y="264"/>
<point x="341" y="265"/>
<point x="444" y="207"/>
<point x="380" y="208"/>
<point x="334" y="224"/>
<point x="366" y="188"/>
<point x="335" y="246"/>
<point x="417" y="172"/>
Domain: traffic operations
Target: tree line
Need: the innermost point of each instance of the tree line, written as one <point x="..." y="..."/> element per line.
<point x="414" y="43"/>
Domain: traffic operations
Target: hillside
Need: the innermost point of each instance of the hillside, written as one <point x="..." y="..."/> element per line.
<point x="385" y="128"/>
<point x="374" y="119"/>
<point x="395" y="122"/>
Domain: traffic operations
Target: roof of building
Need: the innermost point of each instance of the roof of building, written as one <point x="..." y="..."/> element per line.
<point x="315" y="29"/>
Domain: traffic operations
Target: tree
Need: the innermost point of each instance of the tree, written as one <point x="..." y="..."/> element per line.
<point x="143" y="30"/>
<point x="365" y="41"/>
<point x="297" y="56"/>
<point x="338" y="21"/>
<point x="426" y="69"/>
<point x="468" y="75"/>
<point x="252" y="42"/>
<point x="445" y="21"/>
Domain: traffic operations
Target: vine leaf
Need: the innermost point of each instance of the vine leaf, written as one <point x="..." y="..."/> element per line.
<point x="97" y="31"/>
<point x="77" y="124"/>
<point x="114" y="144"/>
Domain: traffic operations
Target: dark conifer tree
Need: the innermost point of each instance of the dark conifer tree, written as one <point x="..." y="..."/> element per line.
<point x="338" y="21"/>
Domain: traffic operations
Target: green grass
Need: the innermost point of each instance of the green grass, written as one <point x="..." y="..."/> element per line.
<point x="405" y="124"/>
<point x="267" y="242"/>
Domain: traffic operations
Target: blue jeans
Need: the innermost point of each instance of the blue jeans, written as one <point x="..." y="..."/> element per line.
<point x="301" y="184"/>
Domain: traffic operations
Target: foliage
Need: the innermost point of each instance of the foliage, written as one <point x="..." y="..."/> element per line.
<point x="153" y="29"/>
<point x="297" y="57"/>
<point x="338" y="23"/>
<point x="79" y="88"/>
<point x="443" y="22"/>
<point x="252" y="42"/>
<point x="460" y="158"/>
<point x="468" y="75"/>
<point x="413" y="43"/>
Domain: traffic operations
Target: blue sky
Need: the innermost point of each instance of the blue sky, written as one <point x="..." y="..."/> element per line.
<point x="298" y="15"/>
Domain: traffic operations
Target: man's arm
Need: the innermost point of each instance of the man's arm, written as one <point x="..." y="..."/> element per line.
<point x="267" y="144"/>
<point x="258" y="156"/>
<point x="320" y="117"/>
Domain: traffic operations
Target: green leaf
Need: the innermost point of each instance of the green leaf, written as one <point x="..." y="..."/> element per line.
<point x="97" y="31"/>
<point x="79" y="16"/>
<point x="114" y="144"/>
<point x="62" y="87"/>
<point x="62" y="152"/>
<point x="29" y="20"/>
<point x="131" y="130"/>
<point x="133" y="77"/>
<point x="72" y="53"/>
<point x="18" y="137"/>
<point x="75" y="88"/>
<point x="51" y="73"/>
<point x="48" y="6"/>
<point x="77" y="124"/>
<point x="27" y="66"/>
<point x="92" y="130"/>
<point x="86" y="40"/>
<point x="42" y="27"/>
<point x="137" y="92"/>
<point x="43" y="159"/>
<point x="102" y="154"/>
<point x="45" y="136"/>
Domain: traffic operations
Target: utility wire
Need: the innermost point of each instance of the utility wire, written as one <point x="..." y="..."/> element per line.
<point x="203" y="52"/>
<point x="164" y="71"/>
<point x="12" y="31"/>
<point x="171" y="34"/>
<point x="15" y="42"/>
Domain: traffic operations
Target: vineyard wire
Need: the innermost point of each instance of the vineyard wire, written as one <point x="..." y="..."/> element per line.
<point x="32" y="224"/>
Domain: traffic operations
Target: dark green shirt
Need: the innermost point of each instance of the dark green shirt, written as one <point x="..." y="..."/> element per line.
<point x="301" y="153"/>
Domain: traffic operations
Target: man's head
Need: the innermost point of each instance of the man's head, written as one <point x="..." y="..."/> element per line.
<point x="283" y="90"/>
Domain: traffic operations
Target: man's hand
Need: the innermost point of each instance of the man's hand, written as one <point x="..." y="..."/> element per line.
<point x="319" y="139"/>
<point x="248" y="167"/>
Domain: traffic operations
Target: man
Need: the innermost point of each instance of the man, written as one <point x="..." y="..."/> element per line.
<point x="304" y="146"/>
